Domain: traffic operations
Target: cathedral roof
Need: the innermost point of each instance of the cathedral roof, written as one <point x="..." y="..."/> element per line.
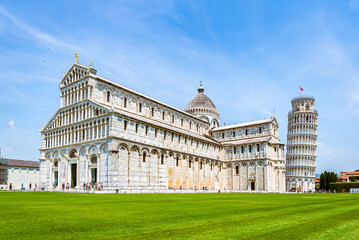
<point x="270" y="139"/>
<point x="246" y="124"/>
<point x="201" y="100"/>
<point x="163" y="125"/>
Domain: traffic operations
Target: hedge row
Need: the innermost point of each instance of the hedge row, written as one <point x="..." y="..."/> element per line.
<point x="345" y="185"/>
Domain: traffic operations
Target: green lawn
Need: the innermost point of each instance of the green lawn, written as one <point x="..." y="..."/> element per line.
<point x="26" y="215"/>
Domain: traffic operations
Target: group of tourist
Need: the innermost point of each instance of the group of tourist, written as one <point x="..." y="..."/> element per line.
<point x="86" y="186"/>
<point x="12" y="188"/>
<point x="95" y="186"/>
<point x="63" y="186"/>
<point x="329" y="191"/>
<point x="195" y="188"/>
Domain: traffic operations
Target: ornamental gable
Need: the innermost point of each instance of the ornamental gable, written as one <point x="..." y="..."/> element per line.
<point x="76" y="113"/>
<point x="74" y="74"/>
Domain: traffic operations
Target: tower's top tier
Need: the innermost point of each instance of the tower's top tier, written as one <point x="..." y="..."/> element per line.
<point x="303" y="104"/>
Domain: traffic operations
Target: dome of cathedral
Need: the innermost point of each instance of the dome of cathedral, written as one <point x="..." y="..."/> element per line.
<point x="201" y="100"/>
<point x="202" y="107"/>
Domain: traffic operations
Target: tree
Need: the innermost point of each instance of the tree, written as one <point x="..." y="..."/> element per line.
<point x="353" y="179"/>
<point x="326" y="178"/>
<point x="321" y="181"/>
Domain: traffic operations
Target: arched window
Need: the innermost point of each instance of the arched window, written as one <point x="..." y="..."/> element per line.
<point x="242" y="149"/>
<point x="140" y="107"/>
<point x="222" y="135"/>
<point x="163" y="115"/>
<point x="108" y="96"/>
<point x="177" y="161"/>
<point x="181" y="122"/>
<point x="190" y="125"/>
<point x="234" y="133"/>
<point x="125" y="102"/>
<point x="260" y="130"/>
<point x="237" y="170"/>
<point x="200" y="165"/>
<point x="234" y="150"/>
<point x="173" y="119"/>
<point x="189" y="164"/>
<point x="146" y="130"/>
<point x="246" y="132"/>
<point x="136" y="127"/>
<point x="56" y="164"/>
<point x="93" y="159"/>
<point x="144" y="157"/>
<point x="257" y="147"/>
<point x="152" y="112"/>
<point x="162" y="157"/>
<point x="73" y="153"/>
<point x="250" y="148"/>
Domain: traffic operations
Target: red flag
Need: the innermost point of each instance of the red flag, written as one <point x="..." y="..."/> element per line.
<point x="301" y="89"/>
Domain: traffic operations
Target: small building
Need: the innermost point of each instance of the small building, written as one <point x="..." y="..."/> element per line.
<point x="18" y="172"/>
<point x="346" y="176"/>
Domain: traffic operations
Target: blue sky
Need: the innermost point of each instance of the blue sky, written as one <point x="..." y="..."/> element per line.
<point x="251" y="56"/>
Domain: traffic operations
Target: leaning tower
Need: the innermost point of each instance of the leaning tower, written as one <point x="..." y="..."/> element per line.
<point x="301" y="145"/>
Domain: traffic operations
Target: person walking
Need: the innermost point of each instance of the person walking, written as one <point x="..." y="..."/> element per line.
<point x="10" y="187"/>
<point x="22" y="186"/>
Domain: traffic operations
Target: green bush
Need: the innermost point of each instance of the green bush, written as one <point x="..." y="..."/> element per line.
<point x="338" y="186"/>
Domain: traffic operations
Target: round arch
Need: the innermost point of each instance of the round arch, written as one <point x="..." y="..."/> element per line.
<point x="122" y="146"/>
<point x="135" y="148"/>
<point x="104" y="148"/>
<point x="72" y="153"/>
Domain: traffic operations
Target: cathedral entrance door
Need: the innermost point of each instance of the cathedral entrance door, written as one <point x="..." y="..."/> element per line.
<point x="253" y="186"/>
<point x="73" y="175"/>
<point x="93" y="176"/>
<point x="56" y="178"/>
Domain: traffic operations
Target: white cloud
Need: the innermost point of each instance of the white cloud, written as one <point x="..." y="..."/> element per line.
<point x="41" y="36"/>
<point x="12" y="123"/>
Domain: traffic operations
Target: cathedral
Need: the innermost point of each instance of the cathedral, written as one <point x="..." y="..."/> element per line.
<point x="124" y="141"/>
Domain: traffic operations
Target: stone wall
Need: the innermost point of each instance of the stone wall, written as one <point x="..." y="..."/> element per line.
<point x="19" y="175"/>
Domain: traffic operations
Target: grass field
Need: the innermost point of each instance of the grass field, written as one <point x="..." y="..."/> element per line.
<point x="25" y="215"/>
